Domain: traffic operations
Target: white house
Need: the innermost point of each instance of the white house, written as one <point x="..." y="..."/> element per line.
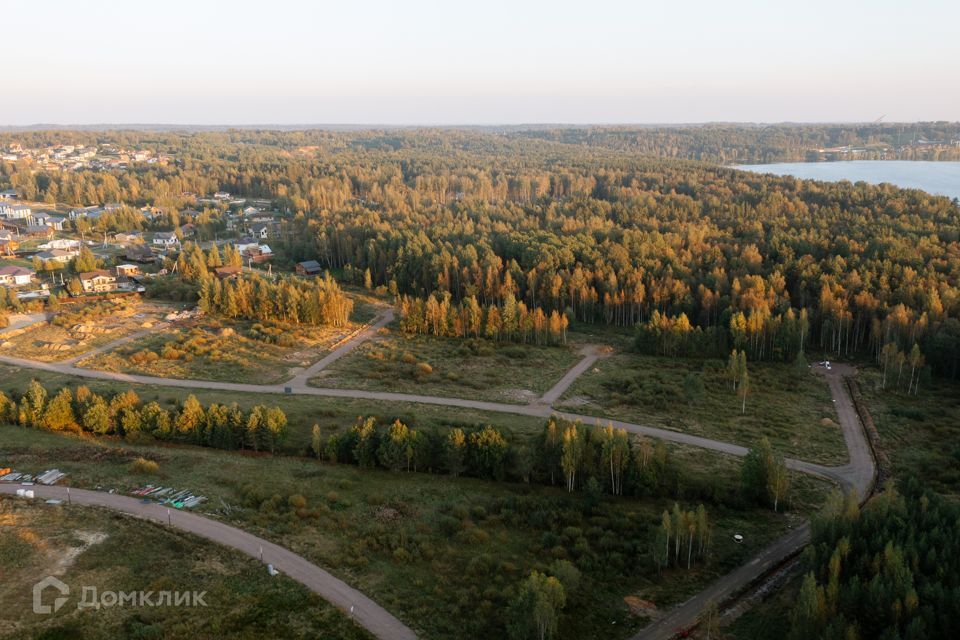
<point x="15" y="276"/>
<point x="14" y="211"/>
<point x="166" y="239"/>
<point x="86" y="212"/>
<point x="8" y="194"/>
<point x="41" y="219"/>
<point x="63" y="256"/>
<point x="61" y="243"/>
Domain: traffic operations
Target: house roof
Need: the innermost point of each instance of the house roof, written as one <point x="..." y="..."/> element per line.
<point x="15" y="270"/>
<point x="99" y="273"/>
<point x="310" y="265"/>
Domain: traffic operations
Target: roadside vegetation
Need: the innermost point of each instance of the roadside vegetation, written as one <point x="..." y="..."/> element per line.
<point x="450" y="555"/>
<point x="90" y="547"/>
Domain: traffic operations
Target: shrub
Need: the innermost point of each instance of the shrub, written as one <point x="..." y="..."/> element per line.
<point x="424" y="369"/>
<point x="144" y="466"/>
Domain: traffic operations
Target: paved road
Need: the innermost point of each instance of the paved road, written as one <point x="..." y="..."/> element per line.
<point x="856" y="475"/>
<point x="590" y="354"/>
<point x="366" y="612"/>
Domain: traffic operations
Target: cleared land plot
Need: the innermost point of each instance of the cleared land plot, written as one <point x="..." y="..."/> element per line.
<point x="792" y="409"/>
<point x="78" y="328"/>
<point x="920" y="434"/>
<point x="209" y="349"/>
<point x="474" y="368"/>
<point x="443" y="554"/>
<point x="85" y="546"/>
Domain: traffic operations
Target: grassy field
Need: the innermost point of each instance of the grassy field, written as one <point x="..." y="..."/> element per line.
<point x="441" y="553"/>
<point x="793" y="410"/>
<point x="920" y="434"/>
<point x="208" y="349"/>
<point x="76" y="329"/>
<point x="476" y="368"/>
<point x="86" y="546"/>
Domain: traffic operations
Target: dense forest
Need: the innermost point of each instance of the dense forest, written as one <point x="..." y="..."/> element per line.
<point x="694" y="254"/>
<point x="887" y="571"/>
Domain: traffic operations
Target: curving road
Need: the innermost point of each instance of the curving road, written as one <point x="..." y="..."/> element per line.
<point x="362" y="609"/>
<point x="857" y="475"/>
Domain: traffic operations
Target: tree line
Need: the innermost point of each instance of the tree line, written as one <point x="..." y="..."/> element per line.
<point x="509" y="321"/>
<point x="123" y="414"/>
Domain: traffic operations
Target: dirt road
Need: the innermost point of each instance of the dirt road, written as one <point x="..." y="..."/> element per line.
<point x="857" y="475"/>
<point x="362" y="609"/>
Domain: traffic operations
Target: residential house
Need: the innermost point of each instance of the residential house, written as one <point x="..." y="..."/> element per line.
<point x="41" y="219"/>
<point x="260" y="231"/>
<point x="98" y="281"/>
<point x="187" y="230"/>
<point x="15" y="276"/>
<point x="112" y="206"/>
<point x="39" y="231"/>
<point x="8" y="194"/>
<point x="61" y="243"/>
<point x="308" y="268"/>
<point x="228" y="273"/>
<point x="139" y="253"/>
<point x="91" y="213"/>
<point x="14" y="211"/>
<point x="256" y="253"/>
<point x="63" y="256"/>
<point x="9" y="243"/>
<point x="128" y="270"/>
<point x="251" y="211"/>
<point x="166" y="239"/>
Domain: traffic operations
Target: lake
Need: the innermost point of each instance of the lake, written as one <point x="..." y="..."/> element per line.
<point x="941" y="178"/>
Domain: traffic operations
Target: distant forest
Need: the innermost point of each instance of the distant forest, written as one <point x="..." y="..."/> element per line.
<point x="587" y="223"/>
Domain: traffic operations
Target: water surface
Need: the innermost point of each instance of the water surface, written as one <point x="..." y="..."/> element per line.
<point x="941" y="178"/>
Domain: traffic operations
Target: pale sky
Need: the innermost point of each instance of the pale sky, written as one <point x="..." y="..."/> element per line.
<point x="488" y="62"/>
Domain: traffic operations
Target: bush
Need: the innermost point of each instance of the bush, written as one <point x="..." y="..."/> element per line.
<point x="144" y="466"/>
<point x="424" y="369"/>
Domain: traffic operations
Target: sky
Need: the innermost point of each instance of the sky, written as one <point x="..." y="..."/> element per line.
<point x="492" y="62"/>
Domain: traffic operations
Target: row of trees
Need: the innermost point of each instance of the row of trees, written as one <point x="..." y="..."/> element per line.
<point x="509" y="321"/>
<point x="318" y="301"/>
<point x="683" y="536"/>
<point x="892" y="358"/>
<point x="582" y="458"/>
<point x="124" y="414"/>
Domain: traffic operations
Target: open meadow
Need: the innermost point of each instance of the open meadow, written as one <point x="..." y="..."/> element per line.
<point x="473" y="368"/>
<point x="443" y="553"/>
<point x="92" y="547"/>
<point x="792" y="409"/>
